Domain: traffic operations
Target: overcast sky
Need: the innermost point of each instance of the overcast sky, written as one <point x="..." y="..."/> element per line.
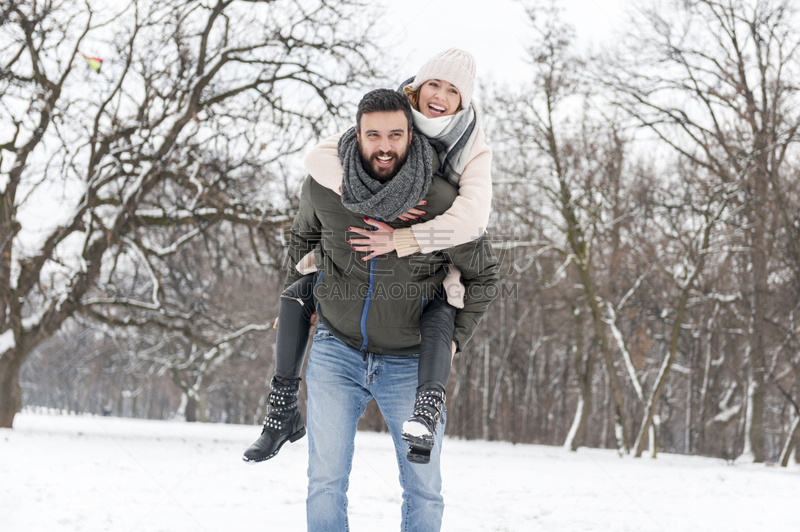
<point x="494" y="32"/>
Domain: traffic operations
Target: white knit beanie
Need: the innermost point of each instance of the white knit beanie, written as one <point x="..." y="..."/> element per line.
<point x="453" y="66"/>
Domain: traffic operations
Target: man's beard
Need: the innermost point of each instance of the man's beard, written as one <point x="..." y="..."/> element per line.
<point x="368" y="163"/>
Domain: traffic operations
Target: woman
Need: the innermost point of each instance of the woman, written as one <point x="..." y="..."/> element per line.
<point x="440" y="95"/>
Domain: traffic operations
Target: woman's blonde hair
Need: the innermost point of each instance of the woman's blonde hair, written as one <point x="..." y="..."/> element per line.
<point x="413" y="96"/>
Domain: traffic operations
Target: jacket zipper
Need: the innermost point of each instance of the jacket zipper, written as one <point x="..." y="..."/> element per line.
<point x="366" y="309"/>
<point x="321" y="273"/>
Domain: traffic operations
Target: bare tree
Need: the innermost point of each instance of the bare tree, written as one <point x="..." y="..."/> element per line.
<point x="535" y="121"/>
<point x="185" y="126"/>
<point x="212" y="306"/>
<point x="714" y="81"/>
<point x="698" y="233"/>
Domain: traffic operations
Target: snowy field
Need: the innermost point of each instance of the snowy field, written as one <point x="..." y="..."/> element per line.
<point x="64" y="473"/>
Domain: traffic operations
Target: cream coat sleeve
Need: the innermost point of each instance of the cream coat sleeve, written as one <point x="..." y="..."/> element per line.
<point x="322" y="162"/>
<point x="467" y="218"/>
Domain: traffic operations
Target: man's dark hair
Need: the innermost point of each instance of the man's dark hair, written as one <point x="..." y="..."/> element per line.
<point x="383" y="101"/>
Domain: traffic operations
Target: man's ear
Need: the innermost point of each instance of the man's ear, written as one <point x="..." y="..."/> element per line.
<point x="358" y="136"/>
<point x="410" y="134"/>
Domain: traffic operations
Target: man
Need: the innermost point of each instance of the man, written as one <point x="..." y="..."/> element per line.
<point x="367" y="341"/>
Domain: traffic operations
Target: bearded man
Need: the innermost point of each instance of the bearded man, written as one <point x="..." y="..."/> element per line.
<point x="367" y="343"/>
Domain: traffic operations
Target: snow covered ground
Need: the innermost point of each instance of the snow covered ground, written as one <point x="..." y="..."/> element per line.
<point x="60" y="473"/>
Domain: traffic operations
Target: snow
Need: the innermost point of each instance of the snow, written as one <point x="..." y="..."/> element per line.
<point x="7" y="341"/>
<point x="71" y="473"/>
<point x="726" y="411"/>
<point x="626" y="356"/>
<point x="416" y="429"/>
<point x="33" y="321"/>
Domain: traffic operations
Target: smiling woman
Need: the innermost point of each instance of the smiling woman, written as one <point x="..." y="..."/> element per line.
<point x="444" y="84"/>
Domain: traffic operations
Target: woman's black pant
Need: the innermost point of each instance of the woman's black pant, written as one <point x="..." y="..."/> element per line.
<point x="436" y="326"/>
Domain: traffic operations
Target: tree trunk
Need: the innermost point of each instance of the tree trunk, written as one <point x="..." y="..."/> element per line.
<point x="754" y="437"/>
<point x="754" y="422"/>
<point x="526" y="401"/>
<point x="757" y="280"/>
<point x="578" y="425"/>
<point x="188" y="407"/>
<point x="650" y="408"/>
<point x="701" y="416"/>
<point x="578" y="245"/>
<point x="10" y="396"/>
<point x="655" y="395"/>
<point x="584" y="410"/>
<point x="606" y="410"/>
<point x="191" y="409"/>
<point x="791" y="438"/>
<point x="620" y="420"/>
<point x="687" y="436"/>
<point x="797" y="447"/>
<point x="753" y="448"/>
<point x="658" y="386"/>
<point x="653" y="436"/>
<point x="585" y="370"/>
<point x="486" y="382"/>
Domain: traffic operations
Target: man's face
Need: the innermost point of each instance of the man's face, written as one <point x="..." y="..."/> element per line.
<point x="384" y="140"/>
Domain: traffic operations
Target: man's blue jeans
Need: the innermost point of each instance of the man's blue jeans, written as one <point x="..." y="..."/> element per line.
<point x="340" y="384"/>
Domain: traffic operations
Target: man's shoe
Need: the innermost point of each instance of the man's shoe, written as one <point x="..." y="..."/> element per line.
<point x="283" y="421"/>
<point x="418" y="432"/>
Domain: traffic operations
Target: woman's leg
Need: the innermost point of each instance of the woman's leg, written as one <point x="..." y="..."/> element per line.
<point x="436" y="330"/>
<point x="283" y="421"/>
<point x="294" y="321"/>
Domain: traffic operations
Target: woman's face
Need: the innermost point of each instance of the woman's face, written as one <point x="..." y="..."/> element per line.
<point x="438" y="98"/>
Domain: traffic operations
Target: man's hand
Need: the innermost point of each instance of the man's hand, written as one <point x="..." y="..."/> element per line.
<point x="413" y="214"/>
<point x="377" y="241"/>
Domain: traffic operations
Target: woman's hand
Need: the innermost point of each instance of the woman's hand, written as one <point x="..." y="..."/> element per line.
<point x="413" y="214"/>
<point x="312" y="320"/>
<point x="377" y="241"/>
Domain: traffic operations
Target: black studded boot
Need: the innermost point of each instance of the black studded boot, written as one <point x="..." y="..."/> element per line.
<point x="283" y="421"/>
<point x="418" y="432"/>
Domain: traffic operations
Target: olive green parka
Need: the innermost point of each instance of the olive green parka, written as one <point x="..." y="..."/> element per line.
<point x="374" y="306"/>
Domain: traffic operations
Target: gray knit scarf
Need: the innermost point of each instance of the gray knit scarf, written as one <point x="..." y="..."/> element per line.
<point x="387" y="200"/>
